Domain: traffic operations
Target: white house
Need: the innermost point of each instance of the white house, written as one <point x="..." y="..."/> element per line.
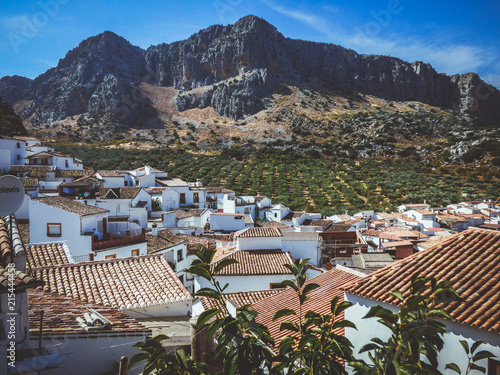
<point x="258" y="238"/>
<point x="193" y="218"/>
<point x="56" y="160"/>
<point x="302" y="245"/>
<point x="58" y="218"/>
<point x="471" y="262"/>
<point x="12" y="152"/>
<point x="238" y="205"/>
<point x="225" y="222"/>
<point x="425" y="217"/>
<point x="182" y="195"/>
<point x="215" y="196"/>
<point x="413" y="206"/>
<point x="255" y="270"/>
<point x="277" y="213"/>
<point x="115" y="179"/>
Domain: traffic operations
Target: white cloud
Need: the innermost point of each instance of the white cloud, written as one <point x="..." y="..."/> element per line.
<point x="493" y="79"/>
<point x="444" y="57"/>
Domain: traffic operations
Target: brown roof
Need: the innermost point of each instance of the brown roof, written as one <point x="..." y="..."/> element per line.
<point x="155" y="190"/>
<point x="338" y="228"/>
<point x="34" y="171"/>
<point x="74" y="173"/>
<point x="11" y="243"/>
<point x="112" y="173"/>
<point x="319" y="302"/>
<point x="156" y="244"/>
<point x="119" y="283"/>
<point x="293" y="215"/>
<point x="257" y="262"/>
<point x="323" y="223"/>
<point x="21" y="280"/>
<point x="119" y="193"/>
<point x="238" y="298"/>
<point x="182" y="214"/>
<point x="178" y="238"/>
<point x="274" y="224"/>
<point x="71" y="205"/>
<point x="258" y="232"/>
<point x="29" y="182"/>
<point x="60" y="314"/>
<point x="45" y="255"/>
<point x="469" y="260"/>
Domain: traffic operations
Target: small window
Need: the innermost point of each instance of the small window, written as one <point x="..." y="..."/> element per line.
<point x="135" y="252"/>
<point x="66" y="162"/>
<point x="179" y="255"/>
<point x="54" y="230"/>
<point x="111" y="256"/>
<point x="18" y="145"/>
<point x="196" y="197"/>
<point x="181" y="278"/>
<point x="275" y="214"/>
<point x="247" y="210"/>
<point x="493" y="367"/>
<point x="276" y="286"/>
<point x="183" y="198"/>
<point x="18" y="157"/>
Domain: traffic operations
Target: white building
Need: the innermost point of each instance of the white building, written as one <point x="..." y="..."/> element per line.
<point x="258" y="238"/>
<point x="12" y="152"/>
<point x="225" y="222"/>
<point x="302" y="245"/>
<point x="55" y="160"/>
<point x="470" y="261"/>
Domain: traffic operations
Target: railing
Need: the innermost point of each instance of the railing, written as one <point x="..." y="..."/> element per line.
<point x="83" y="258"/>
<point x="119" y="241"/>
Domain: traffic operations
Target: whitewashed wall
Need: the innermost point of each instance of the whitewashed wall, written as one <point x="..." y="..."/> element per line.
<point x="258" y="243"/>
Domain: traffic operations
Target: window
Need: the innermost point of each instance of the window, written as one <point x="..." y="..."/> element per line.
<point x="181" y="278"/>
<point x="247" y="210"/>
<point x="196" y="197"/>
<point x="18" y="145"/>
<point x="66" y="162"/>
<point x="276" y="286"/>
<point x="493" y="367"/>
<point x="179" y="255"/>
<point x="53" y="230"/>
<point x="183" y="198"/>
<point x="111" y="256"/>
<point x="275" y="214"/>
<point x="18" y="157"/>
<point x="135" y="252"/>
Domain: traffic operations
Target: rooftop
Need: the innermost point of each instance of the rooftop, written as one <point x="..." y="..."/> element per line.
<point x="70" y="205"/>
<point x="182" y="214"/>
<point x="46" y="255"/>
<point x="257" y="262"/>
<point x="112" y="173"/>
<point x="60" y="315"/>
<point x="469" y="260"/>
<point x="301" y="236"/>
<point x="320" y="301"/>
<point x="124" y="283"/>
<point x="258" y="232"/>
<point x="119" y="193"/>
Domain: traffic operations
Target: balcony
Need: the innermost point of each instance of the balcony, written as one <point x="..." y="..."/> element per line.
<point x="110" y="240"/>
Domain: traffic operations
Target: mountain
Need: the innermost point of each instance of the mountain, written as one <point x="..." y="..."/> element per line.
<point x="10" y="123"/>
<point x="246" y="77"/>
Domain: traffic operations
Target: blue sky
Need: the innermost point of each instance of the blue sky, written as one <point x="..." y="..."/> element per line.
<point x="453" y="36"/>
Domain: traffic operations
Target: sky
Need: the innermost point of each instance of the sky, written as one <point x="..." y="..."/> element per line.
<point x="455" y="37"/>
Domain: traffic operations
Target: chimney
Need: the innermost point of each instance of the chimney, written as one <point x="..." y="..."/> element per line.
<point x="154" y="230"/>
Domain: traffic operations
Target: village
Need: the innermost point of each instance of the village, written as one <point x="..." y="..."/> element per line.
<point x="99" y="257"/>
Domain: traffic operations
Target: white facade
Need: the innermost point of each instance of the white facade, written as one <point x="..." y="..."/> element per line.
<point x="258" y="243"/>
<point x="452" y="351"/>
<point x="227" y="222"/>
<point x="72" y="227"/>
<point x="125" y="251"/>
<point x="277" y="213"/>
<point x="243" y="283"/>
<point x="12" y="152"/>
<point x="171" y="309"/>
<point x="198" y="221"/>
<point x="303" y="245"/>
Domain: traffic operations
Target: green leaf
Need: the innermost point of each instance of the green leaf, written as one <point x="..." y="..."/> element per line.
<point x="205" y="316"/>
<point x="289" y="325"/>
<point x="224" y="263"/>
<point x="139" y="357"/>
<point x="476" y="345"/>
<point x="483" y="354"/>
<point x="283" y="312"/>
<point x="398" y="295"/>
<point x="291" y="284"/>
<point x="200" y="270"/>
<point x="465" y="345"/>
<point x="208" y="292"/>
<point x="309" y="287"/>
<point x="473" y="366"/>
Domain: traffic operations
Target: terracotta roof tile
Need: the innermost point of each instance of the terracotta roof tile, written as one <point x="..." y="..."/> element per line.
<point x="21" y="280"/>
<point x="74" y="173"/>
<point x="112" y="173"/>
<point x="157" y="243"/>
<point x="257" y="262"/>
<point x="11" y="243"/>
<point x="46" y="255"/>
<point x="320" y="301"/>
<point x="70" y="205"/>
<point x="238" y="298"/>
<point x="34" y="171"/>
<point x="119" y="193"/>
<point x="258" y="232"/>
<point x="469" y="260"/>
<point x="274" y="224"/>
<point x="182" y="214"/>
<point x="60" y="314"/>
<point x="119" y="283"/>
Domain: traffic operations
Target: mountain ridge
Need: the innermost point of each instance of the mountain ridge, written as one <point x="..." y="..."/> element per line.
<point x="240" y="67"/>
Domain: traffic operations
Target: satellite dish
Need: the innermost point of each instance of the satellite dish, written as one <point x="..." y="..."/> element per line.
<point x="11" y="194"/>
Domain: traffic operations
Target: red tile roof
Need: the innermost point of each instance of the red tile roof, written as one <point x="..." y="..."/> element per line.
<point x="258" y="232"/>
<point x="70" y="205"/>
<point x="257" y="262"/>
<point x="60" y="313"/>
<point x="238" y="298"/>
<point x="119" y="283"/>
<point x="45" y="255"/>
<point x="273" y="224"/>
<point x="469" y="260"/>
<point x="320" y="301"/>
<point x="11" y="276"/>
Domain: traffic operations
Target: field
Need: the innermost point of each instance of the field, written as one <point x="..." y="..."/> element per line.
<point x="306" y="181"/>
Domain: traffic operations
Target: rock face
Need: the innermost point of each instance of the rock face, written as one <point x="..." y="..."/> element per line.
<point x="10" y="123"/>
<point x="235" y="69"/>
